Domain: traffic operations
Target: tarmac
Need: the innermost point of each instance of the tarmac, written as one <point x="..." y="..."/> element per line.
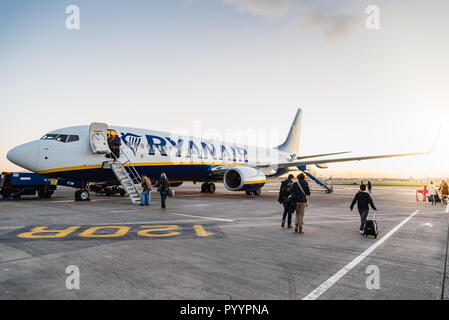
<point x="222" y="246"/>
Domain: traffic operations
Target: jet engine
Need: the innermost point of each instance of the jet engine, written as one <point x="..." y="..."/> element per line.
<point x="243" y="178"/>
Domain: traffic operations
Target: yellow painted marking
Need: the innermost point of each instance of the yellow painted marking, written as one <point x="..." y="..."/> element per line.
<point x="147" y="232"/>
<point x="255" y="182"/>
<point x="59" y="233"/>
<point x="200" y="232"/>
<point x="185" y="215"/>
<point x="97" y="166"/>
<point x="90" y="233"/>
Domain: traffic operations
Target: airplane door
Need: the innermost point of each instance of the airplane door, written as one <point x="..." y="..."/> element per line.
<point x="98" y="138"/>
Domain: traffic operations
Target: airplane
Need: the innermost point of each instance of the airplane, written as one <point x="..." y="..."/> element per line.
<point x="82" y="153"/>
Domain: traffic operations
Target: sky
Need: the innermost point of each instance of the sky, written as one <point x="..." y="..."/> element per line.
<point x="229" y="65"/>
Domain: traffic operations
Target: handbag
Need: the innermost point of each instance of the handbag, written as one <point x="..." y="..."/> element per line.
<point x="299" y="185"/>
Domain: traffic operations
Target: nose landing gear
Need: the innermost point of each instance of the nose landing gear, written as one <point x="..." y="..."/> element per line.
<point x="82" y="195"/>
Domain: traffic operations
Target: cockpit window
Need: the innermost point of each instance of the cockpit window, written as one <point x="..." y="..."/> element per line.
<point x="58" y="137"/>
<point x="62" y="138"/>
<point x="49" y="137"/>
<point x="73" y="138"/>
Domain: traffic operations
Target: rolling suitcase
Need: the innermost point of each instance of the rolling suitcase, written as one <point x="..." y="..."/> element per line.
<point x="371" y="227"/>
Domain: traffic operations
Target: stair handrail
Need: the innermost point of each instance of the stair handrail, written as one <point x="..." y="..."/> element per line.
<point x="135" y="175"/>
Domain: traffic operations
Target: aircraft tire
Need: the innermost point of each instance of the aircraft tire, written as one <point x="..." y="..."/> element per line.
<point x="84" y="195"/>
<point x="257" y="192"/>
<point x="204" y="187"/>
<point x="211" y="188"/>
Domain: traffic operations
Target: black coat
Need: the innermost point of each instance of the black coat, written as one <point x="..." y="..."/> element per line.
<point x="296" y="190"/>
<point x="163" y="186"/>
<point x="363" y="199"/>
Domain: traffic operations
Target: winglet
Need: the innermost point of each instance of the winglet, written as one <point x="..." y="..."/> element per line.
<point x="291" y="143"/>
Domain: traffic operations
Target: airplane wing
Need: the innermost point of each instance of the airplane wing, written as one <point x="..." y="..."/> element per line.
<point x="310" y="162"/>
<point x="321" y="155"/>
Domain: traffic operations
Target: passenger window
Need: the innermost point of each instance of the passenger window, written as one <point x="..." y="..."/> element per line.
<point x="73" y="138"/>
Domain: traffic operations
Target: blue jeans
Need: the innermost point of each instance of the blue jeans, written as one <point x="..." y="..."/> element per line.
<point x="284" y="215"/>
<point x="145" y="198"/>
<point x="363" y="216"/>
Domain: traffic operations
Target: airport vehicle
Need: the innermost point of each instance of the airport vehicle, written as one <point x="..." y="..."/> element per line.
<point x="83" y="153"/>
<point x="17" y="184"/>
<point x="14" y="185"/>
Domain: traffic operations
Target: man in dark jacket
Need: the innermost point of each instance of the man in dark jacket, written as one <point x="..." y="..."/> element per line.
<point x="284" y="192"/>
<point x="363" y="200"/>
<point x="300" y="190"/>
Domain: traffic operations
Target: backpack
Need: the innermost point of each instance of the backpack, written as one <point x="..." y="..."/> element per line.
<point x="285" y="191"/>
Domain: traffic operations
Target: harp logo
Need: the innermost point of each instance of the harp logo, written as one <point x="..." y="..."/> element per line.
<point x="132" y="141"/>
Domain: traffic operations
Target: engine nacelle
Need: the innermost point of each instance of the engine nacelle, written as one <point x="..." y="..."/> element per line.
<point x="243" y="178"/>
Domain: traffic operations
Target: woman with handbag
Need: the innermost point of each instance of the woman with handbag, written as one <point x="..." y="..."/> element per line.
<point x="163" y="189"/>
<point x="301" y="190"/>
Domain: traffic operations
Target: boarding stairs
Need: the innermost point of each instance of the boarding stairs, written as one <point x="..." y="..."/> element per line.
<point x="314" y="176"/>
<point x="128" y="177"/>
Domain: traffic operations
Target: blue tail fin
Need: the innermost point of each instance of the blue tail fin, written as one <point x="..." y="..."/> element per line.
<point x="291" y="143"/>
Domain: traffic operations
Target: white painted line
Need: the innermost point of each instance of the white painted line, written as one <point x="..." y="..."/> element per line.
<point x="447" y="208"/>
<point x="315" y="294"/>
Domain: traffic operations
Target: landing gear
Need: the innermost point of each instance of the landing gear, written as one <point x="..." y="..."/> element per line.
<point x="256" y="192"/>
<point x="211" y="188"/>
<point x="82" y="195"/>
<point x="208" y="187"/>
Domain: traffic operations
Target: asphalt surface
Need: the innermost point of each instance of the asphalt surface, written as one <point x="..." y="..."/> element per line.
<point x="222" y="246"/>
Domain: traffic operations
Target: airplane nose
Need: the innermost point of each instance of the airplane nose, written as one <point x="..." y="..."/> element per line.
<point x="25" y="155"/>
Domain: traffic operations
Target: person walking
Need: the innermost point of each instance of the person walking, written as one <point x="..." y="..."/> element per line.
<point x="444" y="190"/>
<point x="363" y="200"/>
<point x="369" y="186"/>
<point x="284" y="192"/>
<point x="163" y="187"/>
<point x="432" y="192"/>
<point x="145" y="198"/>
<point x="300" y="190"/>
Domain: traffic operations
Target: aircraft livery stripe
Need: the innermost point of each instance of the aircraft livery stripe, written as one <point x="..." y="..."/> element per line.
<point x="255" y="182"/>
<point x="99" y="166"/>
